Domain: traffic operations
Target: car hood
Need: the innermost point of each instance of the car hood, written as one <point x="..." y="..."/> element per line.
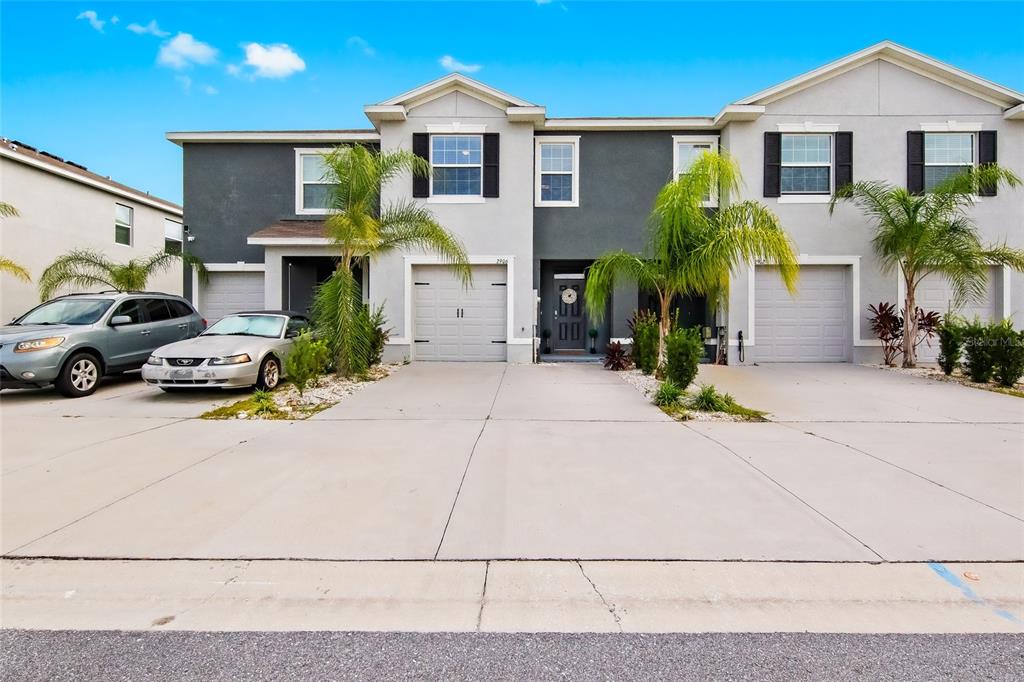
<point x="19" y="332"/>
<point x="213" y="346"/>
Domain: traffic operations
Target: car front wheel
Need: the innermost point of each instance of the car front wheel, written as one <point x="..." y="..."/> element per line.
<point x="80" y="376"/>
<point x="270" y="374"/>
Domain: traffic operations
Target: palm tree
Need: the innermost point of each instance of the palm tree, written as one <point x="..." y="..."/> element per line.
<point x="6" y="264"/>
<point x="922" y="234"/>
<point x="361" y="228"/>
<point x="693" y="249"/>
<point x="82" y="268"/>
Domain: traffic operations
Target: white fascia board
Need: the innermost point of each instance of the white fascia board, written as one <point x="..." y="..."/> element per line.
<point x="289" y="241"/>
<point x="277" y="136"/>
<point x="1014" y="113"/>
<point x="426" y="91"/>
<point x="738" y="112"/>
<point x="694" y="123"/>
<point x="91" y="182"/>
<point x="378" y="112"/>
<point x="535" y="115"/>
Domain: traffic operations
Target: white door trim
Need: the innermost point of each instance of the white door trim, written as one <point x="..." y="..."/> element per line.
<point x="222" y="267"/>
<point x="804" y="259"/>
<point x="507" y="261"/>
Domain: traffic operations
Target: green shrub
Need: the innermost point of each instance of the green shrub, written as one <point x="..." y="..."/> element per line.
<point x="645" y="341"/>
<point x="708" y="399"/>
<point x="375" y="321"/>
<point x="307" y="360"/>
<point x="263" y="403"/>
<point x="951" y="339"/>
<point x="684" y="349"/>
<point x="1007" y="349"/>
<point x="979" y="361"/>
<point x="668" y="394"/>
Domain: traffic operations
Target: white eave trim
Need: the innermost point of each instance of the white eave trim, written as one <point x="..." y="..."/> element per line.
<point x="738" y="112"/>
<point x="698" y="123"/>
<point x="445" y="84"/>
<point x="289" y="241"/>
<point x="91" y="182"/>
<point x="277" y="136"/>
<point x="535" y="115"/>
<point x="1014" y="113"/>
<point x="900" y="56"/>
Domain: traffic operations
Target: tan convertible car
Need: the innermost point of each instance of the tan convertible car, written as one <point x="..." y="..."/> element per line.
<point x="245" y="349"/>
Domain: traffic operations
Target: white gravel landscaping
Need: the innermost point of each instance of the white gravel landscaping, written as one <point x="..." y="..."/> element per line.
<point x="648" y="385"/>
<point x="957" y="377"/>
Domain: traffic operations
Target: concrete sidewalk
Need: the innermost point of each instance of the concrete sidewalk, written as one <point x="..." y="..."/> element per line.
<point x="500" y="596"/>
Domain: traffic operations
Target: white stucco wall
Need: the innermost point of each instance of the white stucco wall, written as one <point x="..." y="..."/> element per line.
<point x="879" y="102"/>
<point x="497" y="228"/>
<point x="58" y="215"/>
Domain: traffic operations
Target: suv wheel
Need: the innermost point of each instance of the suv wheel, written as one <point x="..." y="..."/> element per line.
<point x="80" y="376"/>
<point x="270" y="374"/>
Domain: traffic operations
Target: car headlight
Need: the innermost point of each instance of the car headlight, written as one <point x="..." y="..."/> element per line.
<point x="154" y="360"/>
<point x="38" y="344"/>
<point x="230" y="360"/>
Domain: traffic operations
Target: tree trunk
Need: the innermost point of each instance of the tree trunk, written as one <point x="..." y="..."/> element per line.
<point x="909" y="323"/>
<point x="664" y="325"/>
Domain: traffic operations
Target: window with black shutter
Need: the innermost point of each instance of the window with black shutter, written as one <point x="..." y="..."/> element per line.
<point x="492" y="149"/>
<point x="987" y="154"/>
<point x="421" y="148"/>
<point x="915" y="162"/>
<point x="772" y="164"/>
<point x="844" y="158"/>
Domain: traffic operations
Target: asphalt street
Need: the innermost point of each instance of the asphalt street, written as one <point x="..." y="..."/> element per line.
<point x="309" y="656"/>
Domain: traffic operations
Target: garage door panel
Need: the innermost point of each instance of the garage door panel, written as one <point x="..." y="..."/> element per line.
<point x="813" y="326"/>
<point x="226" y="293"/>
<point x="479" y="333"/>
<point x="933" y="293"/>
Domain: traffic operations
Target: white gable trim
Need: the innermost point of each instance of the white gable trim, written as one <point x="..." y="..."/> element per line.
<point x="900" y="56"/>
<point x="451" y="82"/>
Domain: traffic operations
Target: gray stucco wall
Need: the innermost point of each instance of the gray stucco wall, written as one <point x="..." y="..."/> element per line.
<point x="620" y="176"/>
<point x="879" y="102"/>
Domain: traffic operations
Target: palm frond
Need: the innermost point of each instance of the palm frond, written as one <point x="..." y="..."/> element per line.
<point x="80" y="268"/>
<point x="7" y="210"/>
<point x="606" y="270"/>
<point x="337" y="303"/>
<point x="9" y="267"/>
<point x="406" y="224"/>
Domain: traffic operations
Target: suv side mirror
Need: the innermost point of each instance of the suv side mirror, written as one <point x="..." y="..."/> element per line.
<point x="118" y="320"/>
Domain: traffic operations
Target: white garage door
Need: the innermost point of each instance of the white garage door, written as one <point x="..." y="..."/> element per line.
<point x="933" y="294"/>
<point x="230" y="292"/>
<point x="811" y="326"/>
<point x="451" y="322"/>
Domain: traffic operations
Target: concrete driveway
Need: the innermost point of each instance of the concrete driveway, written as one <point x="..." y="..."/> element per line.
<point x="489" y="461"/>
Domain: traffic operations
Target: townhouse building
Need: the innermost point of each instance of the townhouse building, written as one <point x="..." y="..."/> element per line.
<point x="536" y="199"/>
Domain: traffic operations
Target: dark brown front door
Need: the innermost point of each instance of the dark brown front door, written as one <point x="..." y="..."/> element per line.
<point x="570" y="328"/>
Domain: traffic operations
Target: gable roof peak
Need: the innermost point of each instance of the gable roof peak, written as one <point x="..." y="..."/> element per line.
<point x="456" y="81"/>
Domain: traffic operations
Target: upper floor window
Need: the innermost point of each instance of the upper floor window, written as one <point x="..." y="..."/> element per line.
<point x="686" y="150"/>
<point x="312" y="188"/>
<point x="557" y="171"/>
<point x="806" y="164"/>
<point x="946" y="155"/>
<point x="124" y="217"/>
<point x="173" y="236"/>
<point x="457" y="162"/>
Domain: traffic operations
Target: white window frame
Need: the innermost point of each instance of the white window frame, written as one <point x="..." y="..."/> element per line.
<point x="951" y="130"/>
<point x="181" y="231"/>
<point x="130" y="225"/>
<point x="693" y="139"/>
<point x="538" y="174"/>
<point x="455" y="198"/>
<point x="299" y="153"/>
<point x="810" y="197"/>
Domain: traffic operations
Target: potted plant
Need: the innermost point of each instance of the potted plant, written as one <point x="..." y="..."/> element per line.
<point x="547" y="343"/>
<point x="593" y="340"/>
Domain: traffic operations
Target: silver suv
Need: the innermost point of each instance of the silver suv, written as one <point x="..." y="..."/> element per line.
<point x="73" y="341"/>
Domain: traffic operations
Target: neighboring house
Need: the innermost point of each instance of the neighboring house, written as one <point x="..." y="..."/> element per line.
<point x="64" y="206"/>
<point x="537" y="199"/>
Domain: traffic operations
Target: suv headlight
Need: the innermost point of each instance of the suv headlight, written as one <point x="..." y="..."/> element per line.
<point x="230" y="360"/>
<point x="38" y="344"/>
<point x="154" y="360"/>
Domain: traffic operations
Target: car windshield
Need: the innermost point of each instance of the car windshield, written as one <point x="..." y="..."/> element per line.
<point x="67" y="311"/>
<point x="247" y="325"/>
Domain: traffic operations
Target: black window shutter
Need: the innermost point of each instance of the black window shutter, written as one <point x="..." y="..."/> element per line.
<point x="987" y="154"/>
<point x="491" y="147"/>
<point x="772" y="164"/>
<point x="421" y="148"/>
<point x="844" y="159"/>
<point x="915" y="162"/>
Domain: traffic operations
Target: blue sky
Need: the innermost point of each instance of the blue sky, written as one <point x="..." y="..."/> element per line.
<point x="99" y="84"/>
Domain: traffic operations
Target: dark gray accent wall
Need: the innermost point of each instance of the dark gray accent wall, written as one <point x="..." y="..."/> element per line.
<point x="232" y="190"/>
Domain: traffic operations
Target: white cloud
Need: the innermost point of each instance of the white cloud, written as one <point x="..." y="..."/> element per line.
<point x="269" y="61"/>
<point x="543" y="2"/>
<point x="93" y="19"/>
<point x="184" y="81"/>
<point x="233" y="69"/>
<point x="357" y="43"/>
<point x="210" y="90"/>
<point x="452" y="64"/>
<point x="115" y="19"/>
<point x="151" y="28"/>
<point x="183" y="50"/>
